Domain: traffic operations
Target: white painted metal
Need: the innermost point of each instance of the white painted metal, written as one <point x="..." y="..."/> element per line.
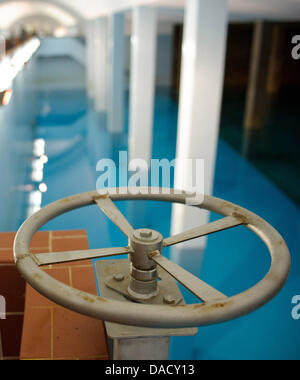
<point x="65" y="257"/>
<point x="203" y="54"/>
<point x="114" y="214"/>
<point x="199" y="288"/>
<point x="142" y="82"/>
<point x="219" y="225"/>
<point x="141" y="348"/>
<point x="100" y="66"/>
<point x="116" y="68"/>
<point x="132" y="342"/>
<point x="154" y="315"/>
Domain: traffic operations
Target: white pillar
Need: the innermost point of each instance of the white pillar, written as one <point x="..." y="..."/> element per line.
<point x="203" y="56"/>
<point x="89" y="35"/>
<point x="100" y="63"/>
<point x="116" y="68"/>
<point x="142" y="82"/>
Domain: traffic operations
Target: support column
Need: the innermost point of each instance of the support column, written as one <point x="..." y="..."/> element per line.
<point x="142" y="82"/>
<point x="275" y="61"/>
<point x="264" y="81"/>
<point x="256" y="94"/>
<point x="116" y="36"/>
<point x="202" y="73"/>
<point x="100" y="63"/>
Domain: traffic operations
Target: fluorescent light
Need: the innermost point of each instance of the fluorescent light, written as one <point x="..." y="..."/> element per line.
<point x="39" y="147"/>
<point x="37" y="173"/>
<point x="44" y="159"/>
<point x="35" y="202"/>
<point x="11" y="65"/>
<point x="43" y="187"/>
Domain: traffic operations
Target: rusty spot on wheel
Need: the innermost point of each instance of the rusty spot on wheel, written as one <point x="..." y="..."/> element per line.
<point x="240" y="217"/>
<point x="100" y="196"/>
<point x="102" y="299"/>
<point x="153" y="254"/>
<point x="68" y="199"/>
<point x="198" y="306"/>
<point x="218" y="305"/>
<point x="89" y="299"/>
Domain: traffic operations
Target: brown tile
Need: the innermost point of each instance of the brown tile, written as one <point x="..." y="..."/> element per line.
<point x="60" y="274"/>
<point x="40" y="239"/>
<point x="34" y="251"/>
<point x="6" y="256"/>
<point x="36" y="337"/>
<point x="84" y="279"/>
<point x="74" y="336"/>
<point x="35" y="299"/>
<point x="61" y="234"/>
<point x="7" y="239"/>
<point x="12" y="287"/>
<point x="11" y="331"/>
<point x="77" y="336"/>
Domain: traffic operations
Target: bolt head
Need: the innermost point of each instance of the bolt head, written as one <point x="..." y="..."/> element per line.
<point x="169" y="299"/>
<point x="119" y="277"/>
<point x="146" y="235"/>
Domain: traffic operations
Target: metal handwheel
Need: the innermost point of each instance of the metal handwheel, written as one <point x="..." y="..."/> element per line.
<point x="145" y="250"/>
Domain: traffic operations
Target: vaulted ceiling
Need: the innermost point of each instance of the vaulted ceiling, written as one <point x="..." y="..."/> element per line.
<point x="70" y="12"/>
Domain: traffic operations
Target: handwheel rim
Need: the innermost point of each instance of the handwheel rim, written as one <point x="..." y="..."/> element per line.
<point x="149" y="315"/>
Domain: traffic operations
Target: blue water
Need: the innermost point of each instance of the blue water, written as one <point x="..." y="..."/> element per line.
<point x="76" y="138"/>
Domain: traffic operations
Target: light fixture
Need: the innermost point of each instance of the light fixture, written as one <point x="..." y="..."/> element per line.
<point x="5" y="97"/>
<point x="39" y="147"/>
<point x="44" y="159"/>
<point x="43" y="187"/>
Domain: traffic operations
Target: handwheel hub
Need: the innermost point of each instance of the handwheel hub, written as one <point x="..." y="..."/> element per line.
<point x="143" y="282"/>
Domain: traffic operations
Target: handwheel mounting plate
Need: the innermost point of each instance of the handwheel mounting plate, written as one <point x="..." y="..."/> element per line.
<point x="105" y="270"/>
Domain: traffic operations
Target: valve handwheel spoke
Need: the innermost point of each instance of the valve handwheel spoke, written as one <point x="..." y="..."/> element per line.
<point x="199" y="288"/>
<point x="114" y="214"/>
<point x="68" y="256"/>
<point x="207" y="229"/>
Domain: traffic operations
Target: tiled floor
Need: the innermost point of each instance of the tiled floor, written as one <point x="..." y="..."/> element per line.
<point x="49" y="331"/>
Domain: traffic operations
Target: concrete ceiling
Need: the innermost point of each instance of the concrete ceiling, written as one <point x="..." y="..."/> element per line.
<point x="239" y="9"/>
<point x="11" y="12"/>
